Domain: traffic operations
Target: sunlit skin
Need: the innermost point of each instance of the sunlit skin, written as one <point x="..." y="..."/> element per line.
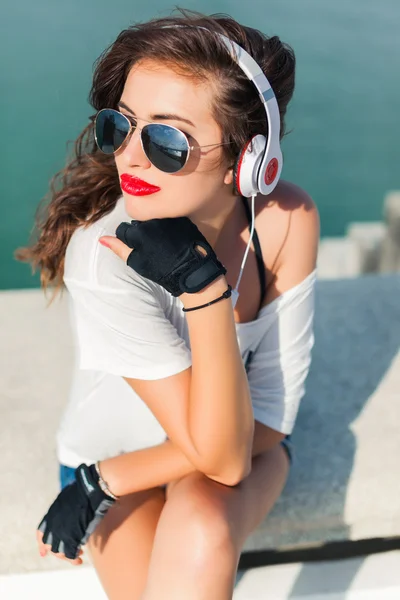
<point x="202" y="190"/>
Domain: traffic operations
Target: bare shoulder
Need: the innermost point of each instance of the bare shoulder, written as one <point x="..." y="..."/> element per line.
<point x="289" y="228"/>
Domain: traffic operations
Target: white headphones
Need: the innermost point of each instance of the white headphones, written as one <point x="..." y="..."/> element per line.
<point x="259" y="165"/>
<point x="258" y="168"/>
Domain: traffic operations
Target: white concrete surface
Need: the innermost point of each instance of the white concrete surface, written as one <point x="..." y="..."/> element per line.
<point x="369" y="239"/>
<point x="390" y="252"/>
<point x="376" y="577"/>
<point x="338" y="257"/>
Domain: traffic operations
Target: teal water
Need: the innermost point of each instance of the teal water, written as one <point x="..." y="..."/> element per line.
<point x="344" y="144"/>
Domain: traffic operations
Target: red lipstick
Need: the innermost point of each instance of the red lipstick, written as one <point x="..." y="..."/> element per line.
<point x="137" y="187"/>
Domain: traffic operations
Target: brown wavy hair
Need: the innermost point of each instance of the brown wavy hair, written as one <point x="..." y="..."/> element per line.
<point x="88" y="187"/>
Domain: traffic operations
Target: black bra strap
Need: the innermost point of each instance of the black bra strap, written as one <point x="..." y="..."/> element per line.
<point x="257" y="248"/>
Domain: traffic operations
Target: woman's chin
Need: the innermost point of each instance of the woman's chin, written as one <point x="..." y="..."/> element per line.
<point x="144" y="208"/>
<point x="139" y="208"/>
<point x="135" y="207"/>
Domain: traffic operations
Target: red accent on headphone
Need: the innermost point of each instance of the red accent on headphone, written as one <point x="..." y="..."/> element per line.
<point x="239" y="166"/>
<point x="271" y="171"/>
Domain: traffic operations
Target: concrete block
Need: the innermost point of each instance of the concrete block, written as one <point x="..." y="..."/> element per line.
<point x="338" y="257"/>
<point x="369" y="239"/>
<point x="373" y="577"/>
<point x="390" y="254"/>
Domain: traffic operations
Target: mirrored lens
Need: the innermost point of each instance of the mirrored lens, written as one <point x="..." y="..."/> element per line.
<point x="112" y="129"/>
<point x="166" y="148"/>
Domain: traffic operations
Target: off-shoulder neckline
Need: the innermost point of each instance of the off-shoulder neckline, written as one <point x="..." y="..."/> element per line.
<point x="271" y="305"/>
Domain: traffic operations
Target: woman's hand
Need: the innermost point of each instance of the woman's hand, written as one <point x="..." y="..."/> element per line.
<point x="74" y="515"/>
<point x="167" y="252"/>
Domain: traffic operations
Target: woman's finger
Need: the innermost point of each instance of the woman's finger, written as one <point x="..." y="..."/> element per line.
<point x="118" y="247"/>
<point x="42" y="547"/>
<point x="72" y="561"/>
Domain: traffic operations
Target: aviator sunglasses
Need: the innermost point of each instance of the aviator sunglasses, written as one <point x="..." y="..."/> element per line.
<point x="166" y="147"/>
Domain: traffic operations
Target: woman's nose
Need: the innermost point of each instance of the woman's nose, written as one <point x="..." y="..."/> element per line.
<point x="133" y="154"/>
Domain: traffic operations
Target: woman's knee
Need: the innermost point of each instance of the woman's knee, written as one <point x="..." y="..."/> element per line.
<point x="198" y="506"/>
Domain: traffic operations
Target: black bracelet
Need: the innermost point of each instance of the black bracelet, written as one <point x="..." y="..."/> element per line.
<point x="226" y="294"/>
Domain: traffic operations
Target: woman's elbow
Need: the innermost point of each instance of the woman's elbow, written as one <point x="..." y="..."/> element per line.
<point x="243" y="464"/>
<point x="245" y="469"/>
<point x="239" y="476"/>
<point x="233" y="472"/>
<point x="232" y="477"/>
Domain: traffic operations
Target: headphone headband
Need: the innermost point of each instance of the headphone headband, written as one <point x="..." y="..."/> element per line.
<point x="272" y="153"/>
<point x="262" y="168"/>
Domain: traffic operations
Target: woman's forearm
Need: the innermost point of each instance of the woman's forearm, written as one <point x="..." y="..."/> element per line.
<point x="221" y="421"/>
<point x="157" y="465"/>
<point x="145" y="469"/>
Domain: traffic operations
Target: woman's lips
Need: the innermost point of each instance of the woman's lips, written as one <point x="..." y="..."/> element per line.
<point x="137" y="187"/>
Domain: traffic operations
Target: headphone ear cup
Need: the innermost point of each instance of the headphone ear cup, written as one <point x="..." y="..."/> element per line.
<point x="238" y="169"/>
<point x="247" y="166"/>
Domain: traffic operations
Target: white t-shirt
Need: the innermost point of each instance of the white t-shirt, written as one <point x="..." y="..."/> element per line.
<point x="126" y="325"/>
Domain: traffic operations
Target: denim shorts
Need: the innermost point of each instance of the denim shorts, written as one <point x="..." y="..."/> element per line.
<point x="67" y="474"/>
<point x="288" y="446"/>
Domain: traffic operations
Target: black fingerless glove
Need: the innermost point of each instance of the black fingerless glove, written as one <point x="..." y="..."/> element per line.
<point x="164" y="252"/>
<point x="75" y="513"/>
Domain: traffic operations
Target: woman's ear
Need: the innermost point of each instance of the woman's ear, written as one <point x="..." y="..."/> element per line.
<point x="228" y="178"/>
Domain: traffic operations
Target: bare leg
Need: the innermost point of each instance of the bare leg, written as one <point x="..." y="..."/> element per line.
<point x="203" y="528"/>
<point x="121" y="546"/>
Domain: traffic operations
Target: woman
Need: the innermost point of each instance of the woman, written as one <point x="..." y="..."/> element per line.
<point x="218" y="377"/>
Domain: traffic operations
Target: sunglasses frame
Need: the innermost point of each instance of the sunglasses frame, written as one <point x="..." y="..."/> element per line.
<point x="133" y="128"/>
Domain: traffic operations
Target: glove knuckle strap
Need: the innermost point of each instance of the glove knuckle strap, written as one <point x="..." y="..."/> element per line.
<point x="199" y="276"/>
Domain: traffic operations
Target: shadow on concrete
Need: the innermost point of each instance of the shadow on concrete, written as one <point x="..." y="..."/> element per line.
<point x="357" y="335"/>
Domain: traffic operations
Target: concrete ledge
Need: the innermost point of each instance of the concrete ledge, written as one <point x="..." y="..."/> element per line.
<point x="338" y="257"/>
<point x="390" y="252"/>
<point x="367" y="247"/>
<point x="344" y="483"/>
<point x="375" y="577"/>
<point x="369" y="238"/>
